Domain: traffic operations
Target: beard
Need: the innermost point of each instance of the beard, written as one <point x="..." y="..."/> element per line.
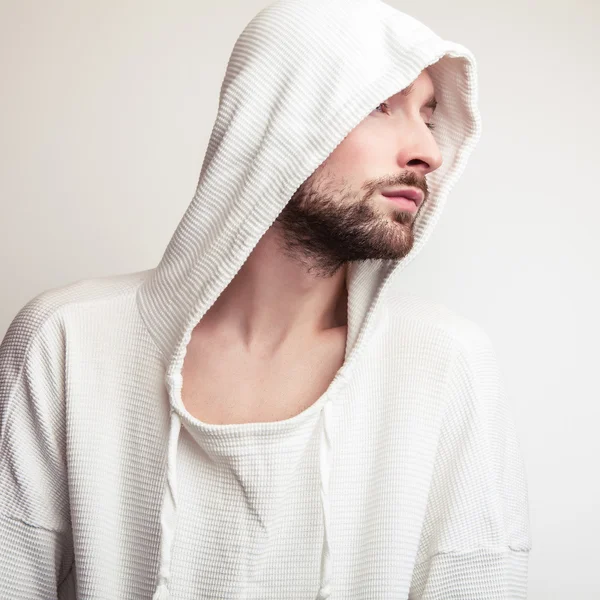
<point x="327" y="224"/>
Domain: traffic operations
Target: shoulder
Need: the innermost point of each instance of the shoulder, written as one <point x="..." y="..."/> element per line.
<point x="474" y="380"/>
<point x="431" y="318"/>
<point x="40" y="322"/>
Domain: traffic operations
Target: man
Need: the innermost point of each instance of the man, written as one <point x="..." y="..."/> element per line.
<point x="267" y="413"/>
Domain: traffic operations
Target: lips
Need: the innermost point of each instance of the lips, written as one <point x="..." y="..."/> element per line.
<point x="413" y="194"/>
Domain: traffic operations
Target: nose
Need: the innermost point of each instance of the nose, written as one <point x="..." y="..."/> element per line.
<point x="418" y="149"/>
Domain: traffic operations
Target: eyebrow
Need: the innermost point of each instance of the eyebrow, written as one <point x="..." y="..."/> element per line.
<point x="431" y="101"/>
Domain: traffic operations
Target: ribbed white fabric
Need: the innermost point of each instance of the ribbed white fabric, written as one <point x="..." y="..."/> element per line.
<point x="403" y="480"/>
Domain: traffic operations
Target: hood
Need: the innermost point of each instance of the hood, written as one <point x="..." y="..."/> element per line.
<point x="301" y="76"/>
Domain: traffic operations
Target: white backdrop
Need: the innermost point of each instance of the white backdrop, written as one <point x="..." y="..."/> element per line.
<point x="105" y="112"/>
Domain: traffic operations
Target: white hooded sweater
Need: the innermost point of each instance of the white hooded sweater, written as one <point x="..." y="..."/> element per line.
<point x="403" y="480"/>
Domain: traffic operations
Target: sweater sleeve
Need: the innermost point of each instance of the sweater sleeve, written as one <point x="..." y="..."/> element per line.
<point x="475" y="539"/>
<point x="35" y="541"/>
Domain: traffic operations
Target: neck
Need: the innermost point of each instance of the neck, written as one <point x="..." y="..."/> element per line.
<point x="273" y="300"/>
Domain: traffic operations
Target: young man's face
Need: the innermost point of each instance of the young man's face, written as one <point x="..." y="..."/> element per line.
<point x="339" y="213"/>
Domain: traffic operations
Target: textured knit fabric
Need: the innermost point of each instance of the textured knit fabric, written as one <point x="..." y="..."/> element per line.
<point x="403" y="480"/>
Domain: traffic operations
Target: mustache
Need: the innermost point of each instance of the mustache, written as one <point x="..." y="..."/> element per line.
<point x="407" y="179"/>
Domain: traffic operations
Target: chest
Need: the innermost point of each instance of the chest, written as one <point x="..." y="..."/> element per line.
<point x="224" y="386"/>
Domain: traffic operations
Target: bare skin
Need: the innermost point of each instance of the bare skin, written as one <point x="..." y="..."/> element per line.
<point x="273" y="341"/>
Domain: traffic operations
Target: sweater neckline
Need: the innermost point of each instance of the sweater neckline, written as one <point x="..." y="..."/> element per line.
<point x="238" y="438"/>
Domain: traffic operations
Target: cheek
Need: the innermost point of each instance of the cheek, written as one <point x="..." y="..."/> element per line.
<point x="356" y="156"/>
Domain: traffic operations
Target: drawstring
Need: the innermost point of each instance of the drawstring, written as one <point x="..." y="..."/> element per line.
<point x="168" y="516"/>
<point x="325" y="454"/>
